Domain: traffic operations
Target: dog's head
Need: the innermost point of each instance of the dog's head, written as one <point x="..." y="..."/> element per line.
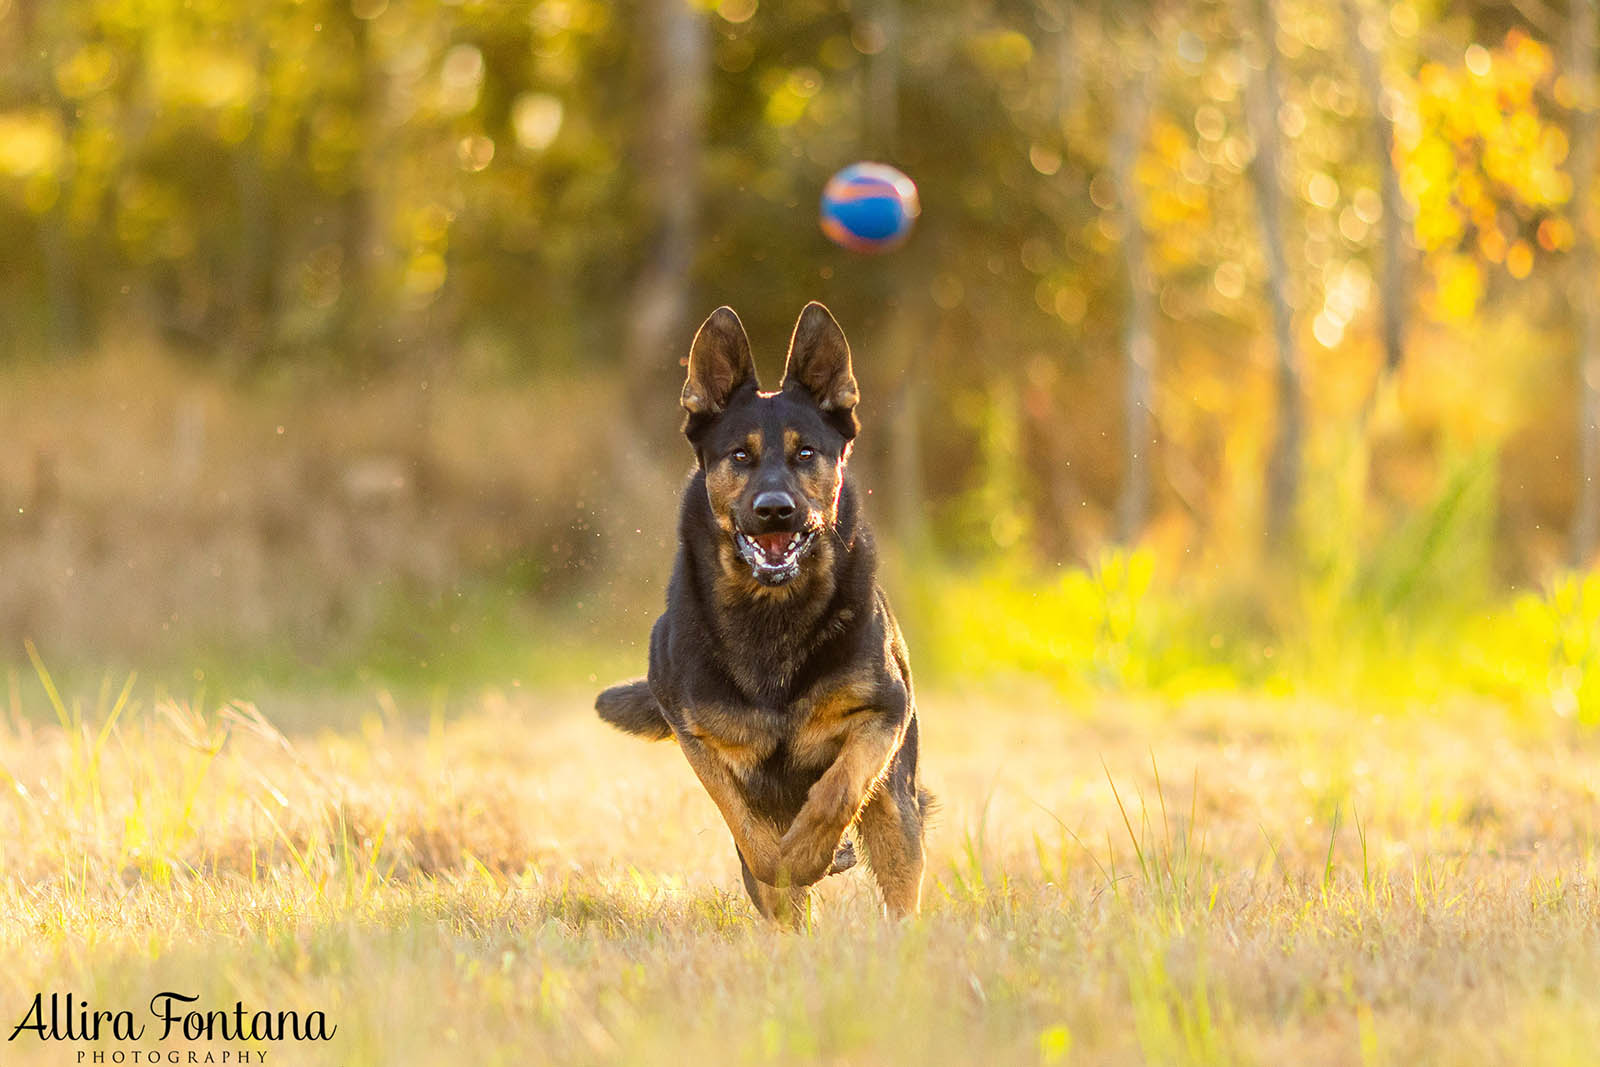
<point x="774" y="462"/>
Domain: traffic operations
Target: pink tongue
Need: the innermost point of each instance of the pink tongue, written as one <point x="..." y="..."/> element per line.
<point x="772" y="544"/>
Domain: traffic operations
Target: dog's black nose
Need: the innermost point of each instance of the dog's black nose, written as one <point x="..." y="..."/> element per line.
<point x="773" y="506"/>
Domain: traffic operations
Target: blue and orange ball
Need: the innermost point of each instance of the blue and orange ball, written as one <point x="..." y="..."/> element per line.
<point x="869" y="207"/>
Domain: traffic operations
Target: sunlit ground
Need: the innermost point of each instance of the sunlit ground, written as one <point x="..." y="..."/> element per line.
<point x="1305" y="884"/>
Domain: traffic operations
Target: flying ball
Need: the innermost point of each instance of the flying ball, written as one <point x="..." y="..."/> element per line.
<point x="869" y="207"/>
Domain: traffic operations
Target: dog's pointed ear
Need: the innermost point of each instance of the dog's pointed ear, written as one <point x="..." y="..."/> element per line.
<point x="819" y="362"/>
<point x="719" y="364"/>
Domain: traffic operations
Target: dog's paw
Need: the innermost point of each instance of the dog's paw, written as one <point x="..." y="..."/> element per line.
<point x="761" y="854"/>
<point x="844" y="857"/>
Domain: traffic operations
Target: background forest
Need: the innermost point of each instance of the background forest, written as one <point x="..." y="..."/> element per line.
<point x="1232" y="436"/>
<point x="1239" y="343"/>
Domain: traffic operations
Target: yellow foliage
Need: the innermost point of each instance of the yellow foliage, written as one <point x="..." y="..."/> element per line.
<point x="86" y="71"/>
<point x="1555" y="234"/>
<point x="1519" y="260"/>
<point x="202" y="77"/>
<point x="1002" y="50"/>
<point x="1458" y="286"/>
<point x="30" y="143"/>
<point x="1481" y="144"/>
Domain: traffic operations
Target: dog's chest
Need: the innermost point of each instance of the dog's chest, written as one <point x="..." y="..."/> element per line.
<point x="805" y="735"/>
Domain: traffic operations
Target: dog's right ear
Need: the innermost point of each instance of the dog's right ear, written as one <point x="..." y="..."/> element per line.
<point x="719" y="365"/>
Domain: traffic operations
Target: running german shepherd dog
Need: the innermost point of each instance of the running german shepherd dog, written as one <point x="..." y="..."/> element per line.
<point x="777" y="665"/>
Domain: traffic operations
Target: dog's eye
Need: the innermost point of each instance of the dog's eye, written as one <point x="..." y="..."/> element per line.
<point x="805" y="453"/>
<point x="741" y="455"/>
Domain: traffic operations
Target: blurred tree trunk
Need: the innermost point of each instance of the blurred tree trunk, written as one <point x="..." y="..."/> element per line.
<point x="671" y="135"/>
<point x="1581" y="283"/>
<point x="254" y="303"/>
<point x="61" y="283"/>
<point x="881" y="120"/>
<point x="899" y="342"/>
<point x="1056" y="523"/>
<point x="669" y="132"/>
<point x="33" y="76"/>
<point x="1366" y="36"/>
<point x="1069" y="77"/>
<point x="1264" y="97"/>
<point x="1139" y="346"/>
<point x="905" y="334"/>
<point x="362" y="233"/>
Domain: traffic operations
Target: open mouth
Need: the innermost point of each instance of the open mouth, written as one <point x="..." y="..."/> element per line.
<point x="774" y="558"/>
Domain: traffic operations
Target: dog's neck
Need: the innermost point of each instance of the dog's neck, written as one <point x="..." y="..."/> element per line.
<point x="765" y="637"/>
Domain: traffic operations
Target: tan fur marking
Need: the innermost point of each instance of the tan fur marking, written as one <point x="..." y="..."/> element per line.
<point x="894" y="851"/>
<point x="724" y="482"/>
<point x="742" y="750"/>
<point x="828" y="716"/>
<point x="821" y="483"/>
<point x="741" y="759"/>
<point x="756" y="839"/>
<point x="836" y="798"/>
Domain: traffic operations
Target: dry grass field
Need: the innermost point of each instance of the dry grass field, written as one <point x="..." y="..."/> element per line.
<point x="1223" y="880"/>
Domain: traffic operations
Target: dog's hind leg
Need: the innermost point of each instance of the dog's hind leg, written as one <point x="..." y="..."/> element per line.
<point x="891" y="827"/>
<point x="786" y="906"/>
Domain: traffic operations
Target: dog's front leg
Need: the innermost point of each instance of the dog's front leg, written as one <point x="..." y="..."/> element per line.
<point x="756" y="839"/>
<point x="806" y="852"/>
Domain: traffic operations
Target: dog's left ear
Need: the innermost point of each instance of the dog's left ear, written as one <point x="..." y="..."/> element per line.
<point x="819" y="362"/>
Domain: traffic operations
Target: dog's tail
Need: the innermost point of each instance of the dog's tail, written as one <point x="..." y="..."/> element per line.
<point x="927" y="806"/>
<point x="632" y="709"/>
